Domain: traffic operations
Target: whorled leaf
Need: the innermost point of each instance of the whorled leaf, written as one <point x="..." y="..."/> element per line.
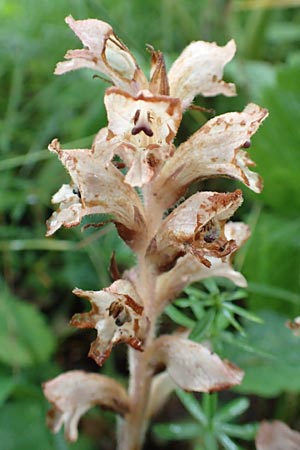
<point x="216" y="150"/>
<point x="199" y="70"/>
<point x="277" y="435"/>
<point x="116" y="314"/>
<point x="104" y="52"/>
<point x="192" y="366"/>
<point x="73" y="393"/>
<point x="195" y="227"/>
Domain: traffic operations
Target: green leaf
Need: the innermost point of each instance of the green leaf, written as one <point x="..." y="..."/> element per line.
<point x="242" y="312"/>
<point x="202" y="328"/>
<point x="232" y="409"/>
<point x="178" y="317"/>
<point x="25" y="338"/>
<point x="192" y="405"/>
<point x="269" y="376"/>
<point x="177" y="431"/>
<point x="246" y="432"/>
<point x="229" y="316"/>
<point x="227" y="442"/>
<point x="23" y="426"/>
<point x="6" y="387"/>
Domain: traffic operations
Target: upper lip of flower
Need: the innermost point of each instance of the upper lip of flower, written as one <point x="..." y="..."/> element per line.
<point x="198" y="69"/>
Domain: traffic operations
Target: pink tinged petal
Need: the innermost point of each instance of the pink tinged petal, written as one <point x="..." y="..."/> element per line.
<point x="193" y="367"/>
<point x="103" y="52"/>
<point x="145" y="120"/>
<point x="196" y="226"/>
<point x="215" y="150"/>
<point x="73" y="393"/>
<point x="277" y="435"/>
<point x="199" y="70"/>
<point x="116" y="314"/>
<point x="101" y="190"/>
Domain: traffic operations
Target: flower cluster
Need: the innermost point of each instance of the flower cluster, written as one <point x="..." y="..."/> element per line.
<point x="134" y="173"/>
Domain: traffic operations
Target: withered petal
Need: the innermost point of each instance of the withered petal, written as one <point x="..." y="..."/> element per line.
<point x="116" y="314"/>
<point x="193" y="367"/>
<point x="101" y="186"/>
<point x="213" y="151"/>
<point x="199" y="70"/>
<point x="73" y="393"/>
<point x="103" y="52"/>
<point x="181" y="232"/>
<point x="188" y="270"/>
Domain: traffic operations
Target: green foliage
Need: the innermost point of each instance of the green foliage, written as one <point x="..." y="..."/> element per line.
<point x="211" y="426"/>
<point x="267" y="376"/>
<point x="25" y="339"/>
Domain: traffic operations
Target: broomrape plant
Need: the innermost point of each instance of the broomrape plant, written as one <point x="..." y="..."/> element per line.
<point x="134" y="173"/>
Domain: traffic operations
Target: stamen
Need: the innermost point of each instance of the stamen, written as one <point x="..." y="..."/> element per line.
<point x="142" y="121"/>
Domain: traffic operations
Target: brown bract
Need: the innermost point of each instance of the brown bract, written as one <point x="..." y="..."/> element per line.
<point x="75" y="392"/>
<point x="116" y="314"/>
<point x="104" y="52"/>
<point x="192" y="366"/>
<point x="199" y="70"/>
<point x="98" y="187"/>
<point x="195" y="227"/>
<point x="213" y="151"/>
<point x="277" y="435"/>
<point x="188" y="270"/>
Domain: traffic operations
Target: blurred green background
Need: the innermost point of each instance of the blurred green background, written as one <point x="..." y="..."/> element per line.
<point x="38" y="274"/>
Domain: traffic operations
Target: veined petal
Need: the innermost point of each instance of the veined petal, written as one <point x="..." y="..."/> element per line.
<point x="199" y="70"/>
<point x="216" y="150"/>
<point x="188" y="270"/>
<point x="74" y="392"/>
<point x="100" y="188"/>
<point x="196" y="227"/>
<point x="277" y="435"/>
<point x="116" y="314"/>
<point x="103" y="52"/>
<point x="192" y="366"/>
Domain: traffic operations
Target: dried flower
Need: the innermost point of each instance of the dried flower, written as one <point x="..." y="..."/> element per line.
<point x="173" y="249"/>
<point x="117" y="315"/>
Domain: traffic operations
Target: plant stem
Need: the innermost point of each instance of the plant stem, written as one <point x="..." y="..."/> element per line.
<point x="132" y="429"/>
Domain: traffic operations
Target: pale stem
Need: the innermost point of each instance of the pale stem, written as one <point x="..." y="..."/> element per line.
<point x="133" y="427"/>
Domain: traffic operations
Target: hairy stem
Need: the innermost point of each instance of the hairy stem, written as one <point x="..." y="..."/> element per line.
<point x="133" y="428"/>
